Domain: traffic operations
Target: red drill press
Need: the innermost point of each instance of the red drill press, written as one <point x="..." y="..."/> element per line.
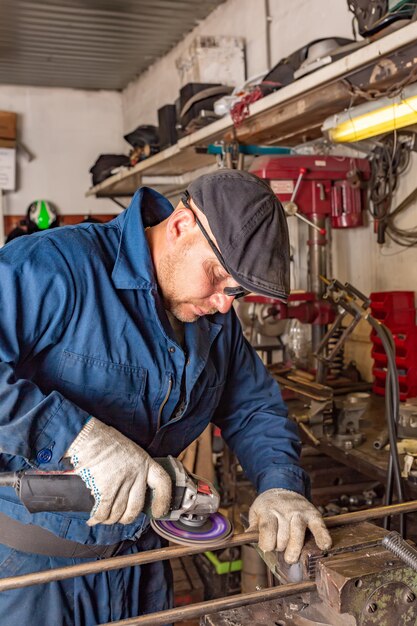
<point x="318" y="190"/>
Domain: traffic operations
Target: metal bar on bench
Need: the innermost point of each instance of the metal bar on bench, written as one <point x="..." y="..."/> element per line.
<point x="213" y="606"/>
<point x="172" y="552"/>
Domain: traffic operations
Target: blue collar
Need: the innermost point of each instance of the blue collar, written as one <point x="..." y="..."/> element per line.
<point x="133" y="268"/>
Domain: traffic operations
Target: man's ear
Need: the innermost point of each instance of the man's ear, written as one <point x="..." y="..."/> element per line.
<point x="180" y="223"/>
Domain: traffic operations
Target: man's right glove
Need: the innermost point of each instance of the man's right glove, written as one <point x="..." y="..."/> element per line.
<point x="118" y="473"/>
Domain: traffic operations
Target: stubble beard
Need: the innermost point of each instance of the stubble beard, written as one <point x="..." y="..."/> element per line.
<point x="168" y="277"/>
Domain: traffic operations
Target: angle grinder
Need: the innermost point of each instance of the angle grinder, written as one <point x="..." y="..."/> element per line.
<point x="192" y="518"/>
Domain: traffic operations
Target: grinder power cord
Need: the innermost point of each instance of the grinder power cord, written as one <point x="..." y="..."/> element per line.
<point x="118" y="472"/>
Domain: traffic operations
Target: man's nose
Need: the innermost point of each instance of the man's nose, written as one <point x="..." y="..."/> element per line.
<point x="222" y="302"/>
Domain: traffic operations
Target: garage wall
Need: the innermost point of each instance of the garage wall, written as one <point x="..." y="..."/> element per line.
<point x="374" y="267"/>
<point x="359" y="259"/>
<point x="66" y="129"/>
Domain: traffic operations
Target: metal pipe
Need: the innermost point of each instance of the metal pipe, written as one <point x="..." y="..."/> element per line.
<point x="213" y="606"/>
<point x="115" y="562"/>
<point x="172" y="552"/>
<point x="316" y="268"/>
<point x="317" y="253"/>
<point x="382" y="440"/>
<point x="268" y="22"/>
<point x="305" y="219"/>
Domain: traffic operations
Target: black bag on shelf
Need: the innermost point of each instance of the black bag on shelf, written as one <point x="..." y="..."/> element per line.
<point x="105" y="164"/>
<point x="167" y="125"/>
<point x="196" y="98"/>
<point x="146" y="137"/>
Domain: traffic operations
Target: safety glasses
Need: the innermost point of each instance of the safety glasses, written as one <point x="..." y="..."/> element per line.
<point x="235" y="292"/>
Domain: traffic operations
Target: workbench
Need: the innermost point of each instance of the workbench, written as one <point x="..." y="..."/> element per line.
<point x="363" y="458"/>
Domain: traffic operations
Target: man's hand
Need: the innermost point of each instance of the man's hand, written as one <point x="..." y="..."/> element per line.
<point x="281" y="517"/>
<point x="118" y="472"/>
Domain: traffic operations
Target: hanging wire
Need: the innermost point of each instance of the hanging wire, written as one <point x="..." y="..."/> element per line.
<point x="373" y="94"/>
<point x="389" y="159"/>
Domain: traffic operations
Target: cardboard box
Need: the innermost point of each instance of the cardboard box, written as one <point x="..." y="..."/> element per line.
<point x="7" y="169"/>
<point x="7" y="143"/>
<point x="217" y="59"/>
<point x="8" y="125"/>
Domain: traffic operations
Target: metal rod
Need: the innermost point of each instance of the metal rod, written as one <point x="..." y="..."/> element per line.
<point x="213" y="606"/>
<point x="298" y="182"/>
<point x="382" y="440"/>
<point x="317" y="255"/>
<point x="172" y="552"/>
<point x="329" y="334"/>
<point x="309" y="433"/>
<point x="376" y="513"/>
<point x="115" y="562"/>
<point x="304" y="219"/>
<point x="317" y="263"/>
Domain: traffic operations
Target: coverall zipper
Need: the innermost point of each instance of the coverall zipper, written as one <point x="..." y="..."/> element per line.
<point x="164" y="401"/>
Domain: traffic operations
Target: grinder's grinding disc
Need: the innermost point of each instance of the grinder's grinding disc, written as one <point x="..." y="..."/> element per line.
<point x="215" y="530"/>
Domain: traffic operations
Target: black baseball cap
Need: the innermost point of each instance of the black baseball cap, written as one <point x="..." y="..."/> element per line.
<point x="250" y="227"/>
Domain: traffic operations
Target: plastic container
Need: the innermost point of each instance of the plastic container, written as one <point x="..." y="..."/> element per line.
<point x="405" y="349"/>
<point x="390" y="300"/>
<point x="397" y="319"/>
<point x="407" y="380"/>
<point x="395" y="309"/>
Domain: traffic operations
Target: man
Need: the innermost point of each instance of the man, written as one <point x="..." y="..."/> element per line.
<point x="118" y="344"/>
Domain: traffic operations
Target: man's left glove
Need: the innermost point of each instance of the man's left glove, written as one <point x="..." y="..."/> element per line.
<point x="118" y="472"/>
<point x="281" y="517"/>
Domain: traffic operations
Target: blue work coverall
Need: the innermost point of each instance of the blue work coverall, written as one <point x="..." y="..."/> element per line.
<point x="83" y="332"/>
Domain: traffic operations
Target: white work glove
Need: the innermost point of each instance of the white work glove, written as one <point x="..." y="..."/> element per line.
<point x="281" y="517"/>
<point x="118" y="472"/>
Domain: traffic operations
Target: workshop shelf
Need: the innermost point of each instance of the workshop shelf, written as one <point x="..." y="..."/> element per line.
<point x="284" y="117"/>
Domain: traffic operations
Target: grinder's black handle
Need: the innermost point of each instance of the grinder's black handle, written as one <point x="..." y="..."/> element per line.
<point x="60" y="491"/>
<point x="54" y="492"/>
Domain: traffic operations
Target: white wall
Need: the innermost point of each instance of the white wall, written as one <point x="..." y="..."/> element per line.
<point x="66" y="129"/>
<point x="376" y="267"/>
<point x="359" y="259"/>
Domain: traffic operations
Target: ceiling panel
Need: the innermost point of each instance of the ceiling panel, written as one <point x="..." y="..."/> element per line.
<point x="90" y="44"/>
